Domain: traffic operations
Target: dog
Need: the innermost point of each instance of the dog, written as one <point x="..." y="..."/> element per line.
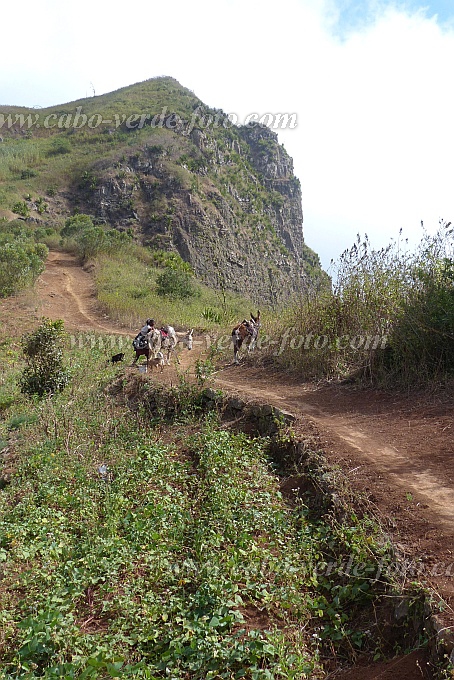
<point x="157" y="361"/>
<point x="117" y="358"/>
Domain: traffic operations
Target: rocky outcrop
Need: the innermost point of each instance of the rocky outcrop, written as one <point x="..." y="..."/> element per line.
<point x="225" y="198"/>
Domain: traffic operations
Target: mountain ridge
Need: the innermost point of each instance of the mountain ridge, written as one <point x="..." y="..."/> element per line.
<point x="177" y="174"/>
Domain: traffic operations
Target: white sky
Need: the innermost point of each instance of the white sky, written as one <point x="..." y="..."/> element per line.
<point x="371" y="83"/>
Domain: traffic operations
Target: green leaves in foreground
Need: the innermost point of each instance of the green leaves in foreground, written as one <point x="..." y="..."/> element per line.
<point x="135" y="551"/>
<point x="175" y="566"/>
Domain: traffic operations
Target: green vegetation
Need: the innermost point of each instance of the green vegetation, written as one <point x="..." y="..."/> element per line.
<point x="133" y="549"/>
<point x="389" y="317"/>
<point x="175" y="284"/>
<point x="170" y="259"/>
<point x="127" y="288"/>
<point x="43" y="349"/>
<point x="59" y="146"/>
<point x="89" y="240"/>
<point x="21" y="208"/>
<point x="21" y="258"/>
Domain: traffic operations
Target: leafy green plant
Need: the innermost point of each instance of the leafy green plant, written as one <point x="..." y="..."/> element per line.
<point x="21" y="262"/>
<point x="16" y="422"/>
<point x="41" y="204"/>
<point x="174" y="283"/>
<point x="90" y="240"/>
<point x="144" y="539"/>
<point x="204" y="370"/>
<point x="170" y="259"/>
<point x="45" y="372"/>
<point x="60" y="146"/>
<point x="76" y="224"/>
<point x="21" y="208"/>
<point x="211" y="314"/>
<point x="27" y="173"/>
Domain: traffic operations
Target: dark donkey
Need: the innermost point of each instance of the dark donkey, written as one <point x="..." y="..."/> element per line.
<point x="146" y="345"/>
<point x="247" y="332"/>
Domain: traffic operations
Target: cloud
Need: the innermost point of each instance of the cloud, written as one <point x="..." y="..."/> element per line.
<point x="370" y="82"/>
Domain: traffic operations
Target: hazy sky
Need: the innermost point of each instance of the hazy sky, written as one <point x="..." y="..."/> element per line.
<point x="371" y="83"/>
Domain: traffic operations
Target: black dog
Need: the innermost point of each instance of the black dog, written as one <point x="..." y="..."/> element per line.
<point x="118" y="357"/>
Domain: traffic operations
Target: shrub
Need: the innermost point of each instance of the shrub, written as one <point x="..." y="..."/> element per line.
<point x="175" y="284"/>
<point x="389" y="316"/>
<point x="422" y="336"/>
<point x="21" y="262"/>
<point x="92" y="240"/>
<point x="76" y="224"/>
<point x="22" y="419"/>
<point x="27" y="173"/>
<point x="45" y="372"/>
<point x="210" y="314"/>
<point x="21" y="208"/>
<point x="96" y="240"/>
<point x="166" y="258"/>
<point x="41" y="205"/>
<point x="60" y="146"/>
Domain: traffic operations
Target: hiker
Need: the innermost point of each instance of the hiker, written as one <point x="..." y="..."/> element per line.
<point x="143" y="336"/>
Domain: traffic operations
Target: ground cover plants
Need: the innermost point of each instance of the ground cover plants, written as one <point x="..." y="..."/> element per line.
<point x="131" y="285"/>
<point x="152" y="548"/>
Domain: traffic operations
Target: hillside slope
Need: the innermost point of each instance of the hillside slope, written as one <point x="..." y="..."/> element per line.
<point x="153" y="159"/>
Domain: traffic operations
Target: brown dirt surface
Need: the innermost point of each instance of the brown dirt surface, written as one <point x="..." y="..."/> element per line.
<point x="396" y="449"/>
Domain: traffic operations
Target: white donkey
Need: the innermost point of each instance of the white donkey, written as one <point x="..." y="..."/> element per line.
<point x="170" y="339"/>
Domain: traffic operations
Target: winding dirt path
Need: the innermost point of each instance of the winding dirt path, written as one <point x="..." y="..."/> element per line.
<point x="397" y="450"/>
<point x="66" y="291"/>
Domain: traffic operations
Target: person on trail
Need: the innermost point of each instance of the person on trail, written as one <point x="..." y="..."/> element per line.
<point x="143" y="336"/>
<point x="148" y="328"/>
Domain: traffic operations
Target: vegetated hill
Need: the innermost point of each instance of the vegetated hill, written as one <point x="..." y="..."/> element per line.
<point x="152" y="158"/>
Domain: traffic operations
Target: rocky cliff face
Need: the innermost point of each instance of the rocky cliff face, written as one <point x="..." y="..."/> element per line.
<point x="224" y="197"/>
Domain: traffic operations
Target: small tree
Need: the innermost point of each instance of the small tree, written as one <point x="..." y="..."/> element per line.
<point x="45" y="372"/>
<point x="21" y="262"/>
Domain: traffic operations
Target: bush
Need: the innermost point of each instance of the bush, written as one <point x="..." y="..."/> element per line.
<point x="175" y="284"/>
<point x="21" y="208"/>
<point x="60" y="146"/>
<point x="92" y="240"/>
<point x="166" y="258"/>
<point x="21" y="262"/>
<point x="389" y="316"/>
<point x="45" y="372"/>
<point x="76" y="224"/>
<point x="27" y="173"/>
<point x="422" y="337"/>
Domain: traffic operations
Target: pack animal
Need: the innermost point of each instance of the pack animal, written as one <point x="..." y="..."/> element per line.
<point x="146" y="345"/>
<point x="169" y="342"/>
<point x="245" y="332"/>
<point x="187" y="339"/>
<point x="170" y="339"/>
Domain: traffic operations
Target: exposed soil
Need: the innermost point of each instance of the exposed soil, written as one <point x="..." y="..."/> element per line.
<point x="396" y="449"/>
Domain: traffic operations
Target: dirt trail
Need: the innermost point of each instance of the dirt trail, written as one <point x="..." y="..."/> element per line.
<point x="397" y="450"/>
<point x="430" y="478"/>
<point x="66" y="291"/>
